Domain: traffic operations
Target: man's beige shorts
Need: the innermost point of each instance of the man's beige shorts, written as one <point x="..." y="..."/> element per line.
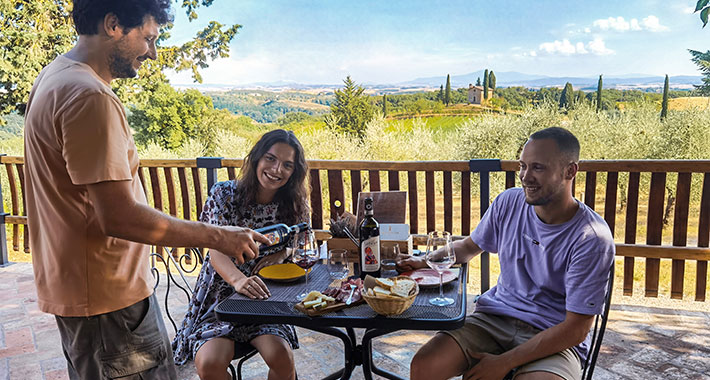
<point x="497" y="334"/>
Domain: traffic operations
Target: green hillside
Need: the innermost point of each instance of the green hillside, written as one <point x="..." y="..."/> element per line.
<point x="268" y="106"/>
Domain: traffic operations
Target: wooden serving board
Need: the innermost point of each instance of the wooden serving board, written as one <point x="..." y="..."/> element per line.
<point x="328" y="309"/>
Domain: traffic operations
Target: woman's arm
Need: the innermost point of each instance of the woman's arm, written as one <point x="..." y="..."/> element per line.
<point x="252" y="286"/>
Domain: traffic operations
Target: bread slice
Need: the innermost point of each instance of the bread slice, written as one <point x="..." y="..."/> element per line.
<point x="385" y="283"/>
<point x="381" y="291"/>
<point x="403" y="288"/>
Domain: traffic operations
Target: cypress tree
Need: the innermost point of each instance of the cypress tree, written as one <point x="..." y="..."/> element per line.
<point x="447" y="94"/>
<point x="478" y="81"/>
<point x="441" y="93"/>
<point x="599" y="94"/>
<point x="567" y="96"/>
<point x="384" y="105"/>
<point x="485" y="84"/>
<point x="492" y="80"/>
<point x="664" y="104"/>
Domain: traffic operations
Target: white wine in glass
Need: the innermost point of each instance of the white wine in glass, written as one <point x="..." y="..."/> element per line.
<point x="440" y="256"/>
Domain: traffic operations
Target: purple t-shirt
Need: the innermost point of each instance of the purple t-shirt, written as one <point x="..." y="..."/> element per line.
<point x="545" y="269"/>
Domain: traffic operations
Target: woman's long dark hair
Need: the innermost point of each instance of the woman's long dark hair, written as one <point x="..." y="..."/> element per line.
<point x="292" y="198"/>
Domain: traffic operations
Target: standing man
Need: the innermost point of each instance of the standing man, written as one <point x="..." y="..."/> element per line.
<point x="87" y="212"/>
<point x="555" y="257"/>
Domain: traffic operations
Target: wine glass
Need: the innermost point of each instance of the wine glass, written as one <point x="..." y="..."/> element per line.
<point x="305" y="255"/>
<point x="440" y="256"/>
<point x="338" y="266"/>
<point x="389" y="255"/>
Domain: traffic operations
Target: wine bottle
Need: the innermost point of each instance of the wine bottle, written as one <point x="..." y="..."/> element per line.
<point x="279" y="235"/>
<point x="369" y="243"/>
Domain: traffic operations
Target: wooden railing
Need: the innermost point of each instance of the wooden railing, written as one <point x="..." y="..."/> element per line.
<point x="636" y="198"/>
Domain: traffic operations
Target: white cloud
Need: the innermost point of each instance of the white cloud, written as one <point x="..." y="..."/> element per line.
<point x="619" y="24"/>
<point x="565" y="47"/>
<point x="597" y="47"/>
<point x="653" y="24"/>
<point x="613" y="23"/>
<point x="634" y="24"/>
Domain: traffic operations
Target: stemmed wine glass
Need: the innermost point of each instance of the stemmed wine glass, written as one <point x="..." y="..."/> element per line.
<point x="305" y="255"/>
<point x="440" y="256"/>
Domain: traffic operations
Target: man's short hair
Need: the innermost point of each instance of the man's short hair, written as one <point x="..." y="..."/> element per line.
<point x="566" y="142"/>
<point x="130" y="13"/>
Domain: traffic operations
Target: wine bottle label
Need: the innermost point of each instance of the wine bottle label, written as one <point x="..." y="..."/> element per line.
<point x="274" y="237"/>
<point x="370" y="254"/>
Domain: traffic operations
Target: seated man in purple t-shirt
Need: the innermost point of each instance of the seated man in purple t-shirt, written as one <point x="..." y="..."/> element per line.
<point x="555" y="257"/>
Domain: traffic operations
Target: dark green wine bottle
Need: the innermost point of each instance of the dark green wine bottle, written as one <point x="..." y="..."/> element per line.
<point x="279" y="235"/>
<point x="369" y="243"/>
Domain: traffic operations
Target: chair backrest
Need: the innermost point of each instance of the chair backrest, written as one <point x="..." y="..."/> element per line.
<point x="599" y="329"/>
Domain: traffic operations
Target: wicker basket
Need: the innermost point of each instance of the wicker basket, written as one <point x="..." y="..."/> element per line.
<point x="394" y="305"/>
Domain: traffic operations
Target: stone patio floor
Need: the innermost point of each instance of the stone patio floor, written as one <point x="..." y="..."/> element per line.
<point x="641" y="342"/>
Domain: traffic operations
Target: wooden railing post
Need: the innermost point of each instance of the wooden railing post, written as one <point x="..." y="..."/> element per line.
<point x="484" y="167"/>
<point x="211" y="164"/>
<point x="4" y="256"/>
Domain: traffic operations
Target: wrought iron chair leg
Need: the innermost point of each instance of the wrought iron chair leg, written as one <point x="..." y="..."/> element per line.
<point x="234" y="374"/>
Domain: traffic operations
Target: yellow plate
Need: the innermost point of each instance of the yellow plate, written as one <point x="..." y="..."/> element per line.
<point x="282" y="272"/>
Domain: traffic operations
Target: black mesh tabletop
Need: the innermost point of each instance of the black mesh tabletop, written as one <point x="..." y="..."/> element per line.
<point x="279" y="308"/>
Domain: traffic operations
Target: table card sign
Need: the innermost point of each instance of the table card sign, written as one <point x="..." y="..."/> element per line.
<point x="396" y="233"/>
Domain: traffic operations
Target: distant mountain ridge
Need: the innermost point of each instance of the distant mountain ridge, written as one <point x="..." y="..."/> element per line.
<point x="513" y="78"/>
<point x="503" y="79"/>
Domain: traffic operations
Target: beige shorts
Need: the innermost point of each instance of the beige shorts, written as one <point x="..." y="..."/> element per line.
<point x="497" y="334"/>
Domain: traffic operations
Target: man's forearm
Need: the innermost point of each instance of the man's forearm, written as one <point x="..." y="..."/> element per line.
<point x="119" y="215"/>
<point x="149" y="226"/>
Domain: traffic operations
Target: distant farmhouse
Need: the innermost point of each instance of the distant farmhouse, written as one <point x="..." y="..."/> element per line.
<point x="475" y="94"/>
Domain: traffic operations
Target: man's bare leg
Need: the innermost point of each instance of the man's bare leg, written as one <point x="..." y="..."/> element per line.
<point x="440" y="358"/>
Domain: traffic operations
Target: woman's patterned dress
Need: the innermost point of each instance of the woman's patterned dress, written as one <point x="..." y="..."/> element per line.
<point x="200" y="323"/>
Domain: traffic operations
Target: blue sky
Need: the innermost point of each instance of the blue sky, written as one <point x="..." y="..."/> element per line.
<point x="389" y="41"/>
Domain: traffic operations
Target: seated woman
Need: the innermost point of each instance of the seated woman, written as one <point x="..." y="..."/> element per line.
<point x="270" y="190"/>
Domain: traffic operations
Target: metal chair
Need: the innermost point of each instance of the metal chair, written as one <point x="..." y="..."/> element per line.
<point x="597" y="334"/>
<point x="599" y="329"/>
<point x="186" y="264"/>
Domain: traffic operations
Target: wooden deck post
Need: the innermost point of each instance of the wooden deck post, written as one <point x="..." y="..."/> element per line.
<point x="484" y="167"/>
<point x="4" y="256"/>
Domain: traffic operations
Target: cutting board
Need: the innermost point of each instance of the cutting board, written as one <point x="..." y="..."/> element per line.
<point x="328" y="309"/>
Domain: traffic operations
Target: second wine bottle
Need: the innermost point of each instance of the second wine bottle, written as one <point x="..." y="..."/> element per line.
<point x="369" y="243"/>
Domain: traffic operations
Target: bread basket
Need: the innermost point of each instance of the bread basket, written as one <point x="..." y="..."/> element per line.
<point x="391" y="305"/>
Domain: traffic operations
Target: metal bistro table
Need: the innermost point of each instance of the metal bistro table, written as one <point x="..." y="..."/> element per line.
<point x="279" y="308"/>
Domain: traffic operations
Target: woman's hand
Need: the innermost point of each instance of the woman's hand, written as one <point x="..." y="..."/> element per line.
<point x="252" y="287"/>
<point x="406" y="263"/>
<point x="275" y="258"/>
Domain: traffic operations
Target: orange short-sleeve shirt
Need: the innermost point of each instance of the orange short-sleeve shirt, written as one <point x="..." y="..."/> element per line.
<point x="76" y="134"/>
